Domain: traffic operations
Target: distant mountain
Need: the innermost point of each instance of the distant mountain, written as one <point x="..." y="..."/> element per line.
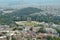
<point x="26" y="11"/>
<point x="37" y="14"/>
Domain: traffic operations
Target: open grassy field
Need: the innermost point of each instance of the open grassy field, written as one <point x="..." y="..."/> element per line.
<point x="32" y="23"/>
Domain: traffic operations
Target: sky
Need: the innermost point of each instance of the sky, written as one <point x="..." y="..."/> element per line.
<point x="22" y="2"/>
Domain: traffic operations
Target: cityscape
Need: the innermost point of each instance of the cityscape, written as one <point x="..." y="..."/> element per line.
<point x="29" y="20"/>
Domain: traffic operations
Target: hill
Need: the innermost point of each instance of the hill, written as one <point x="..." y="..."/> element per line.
<point x="36" y="14"/>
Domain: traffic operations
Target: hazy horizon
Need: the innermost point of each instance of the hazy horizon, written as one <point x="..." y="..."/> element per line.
<point x="29" y="2"/>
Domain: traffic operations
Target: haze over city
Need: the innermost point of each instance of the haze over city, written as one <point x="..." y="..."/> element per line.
<point x="28" y="2"/>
